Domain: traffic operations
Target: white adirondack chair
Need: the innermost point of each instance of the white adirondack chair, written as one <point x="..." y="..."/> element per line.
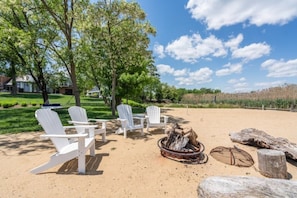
<point x="66" y="150"/>
<point x="127" y="120"/>
<point x="153" y="118"/>
<point x="79" y="117"/>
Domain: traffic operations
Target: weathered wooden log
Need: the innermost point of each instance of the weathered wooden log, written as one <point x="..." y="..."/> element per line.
<point x="192" y="135"/>
<point x="180" y="139"/>
<point x="243" y="186"/>
<point x="272" y="163"/>
<point x="255" y="137"/>
<point x="179" y="142"/>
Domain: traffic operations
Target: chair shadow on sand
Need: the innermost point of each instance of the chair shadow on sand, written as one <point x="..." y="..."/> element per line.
<point x="92" y="164"/>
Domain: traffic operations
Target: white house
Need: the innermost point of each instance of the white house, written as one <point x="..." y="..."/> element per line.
<point x="24" y="84"/>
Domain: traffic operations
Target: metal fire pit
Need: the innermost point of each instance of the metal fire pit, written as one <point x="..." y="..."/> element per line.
<point x="194" y="157"/>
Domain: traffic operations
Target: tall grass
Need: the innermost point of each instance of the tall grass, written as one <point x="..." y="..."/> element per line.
<point x="284" y="97"/>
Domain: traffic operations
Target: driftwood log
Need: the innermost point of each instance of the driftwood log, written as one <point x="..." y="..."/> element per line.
<point x="243" y="186"/>
<point x="258" y="138"/>
<point x="272" y="163"/>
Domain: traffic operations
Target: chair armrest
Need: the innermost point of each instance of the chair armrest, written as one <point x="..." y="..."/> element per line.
<point x="65" y="136"/>
<point x="77" y="122"/>
<point x="141" y="119"/>
<point x="124" y="122"/>
<point x="138" y="118"/>
<point x="140" y="115"/>
<point x="80" y="126"/>
<point x="165" y="118"/>
<point x="97" y="120"/>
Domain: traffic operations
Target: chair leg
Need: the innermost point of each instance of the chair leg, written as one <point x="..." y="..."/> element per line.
<point x="92" y="150"/>
<point x="81" y="155"/>
<point x="54" y="160"/>
<point x="125" y="133"/>
<point x="82" y="163"/>
<point x="104" y="136"/>
<point x="44" y="167"/>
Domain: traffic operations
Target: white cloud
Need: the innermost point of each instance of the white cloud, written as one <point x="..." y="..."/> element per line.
<point x="233" y="81"/>
<point x="218" y="13"/>
<point x="185" y="76"/>
<point x="264" y="85"/>
<point x="280" y="68"/>
<point x="229" y="69"/>
<point x="191" y="48"/>
<point x="159" y="50"/>
<point x="239" y="85"/>
<point x="252" y="51"/>
<point x="163" y="69"/>
<point x="203" y="75"/>
<point x="233" y="43"/>
<point x="181" y="72"/>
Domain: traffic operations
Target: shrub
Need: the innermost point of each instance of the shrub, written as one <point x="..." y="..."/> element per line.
<point x="7" y="105"/>
<point x="24" y="104"/>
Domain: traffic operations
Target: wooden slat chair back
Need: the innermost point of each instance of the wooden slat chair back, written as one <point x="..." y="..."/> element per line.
<point x="127" y="120"/>
<point x="154" y="116"/>
<point x="66" y="150"/>
<point x="79" y="116"/>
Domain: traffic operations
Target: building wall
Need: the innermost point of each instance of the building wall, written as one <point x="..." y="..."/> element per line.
<point x="3" y="81"/>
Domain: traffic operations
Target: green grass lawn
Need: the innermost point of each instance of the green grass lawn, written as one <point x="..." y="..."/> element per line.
<point x="20" y="118"/>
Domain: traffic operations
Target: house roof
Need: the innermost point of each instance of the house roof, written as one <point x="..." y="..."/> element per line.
<point x="25" y="78"/>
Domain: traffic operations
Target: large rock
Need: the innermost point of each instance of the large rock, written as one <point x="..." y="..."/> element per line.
<point x="243" y="187"/>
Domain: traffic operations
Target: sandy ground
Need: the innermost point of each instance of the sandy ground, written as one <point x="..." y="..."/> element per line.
<point x="133" y="167"/>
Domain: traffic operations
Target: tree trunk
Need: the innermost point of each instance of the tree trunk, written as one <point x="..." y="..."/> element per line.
<point x="13" y="75"/>
<point x="74" y="84"/>
<point x="113" y="97"/>
<point x="272" y="163"/>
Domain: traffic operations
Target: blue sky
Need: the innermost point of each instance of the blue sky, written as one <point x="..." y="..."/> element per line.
<point x="231" y="45"/>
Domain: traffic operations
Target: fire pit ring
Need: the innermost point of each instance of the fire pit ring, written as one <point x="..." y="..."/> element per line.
<point x="194" y="157"/>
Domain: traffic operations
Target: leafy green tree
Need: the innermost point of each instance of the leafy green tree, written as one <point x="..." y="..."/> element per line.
<point x="118" y="34"/>
<point x="64" y="13"/>
<point x="22" y="34"/>
<point x="12" y="40"/>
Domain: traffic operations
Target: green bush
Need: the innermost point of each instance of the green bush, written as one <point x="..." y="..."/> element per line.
<point x="24" y="104"/>
<point x="7" y="105"/>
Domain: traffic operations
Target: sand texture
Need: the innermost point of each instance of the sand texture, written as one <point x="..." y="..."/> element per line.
<point x="133" y="167"/>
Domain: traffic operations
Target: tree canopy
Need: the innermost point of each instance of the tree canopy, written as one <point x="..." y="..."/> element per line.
<point x="103" y="44"/>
